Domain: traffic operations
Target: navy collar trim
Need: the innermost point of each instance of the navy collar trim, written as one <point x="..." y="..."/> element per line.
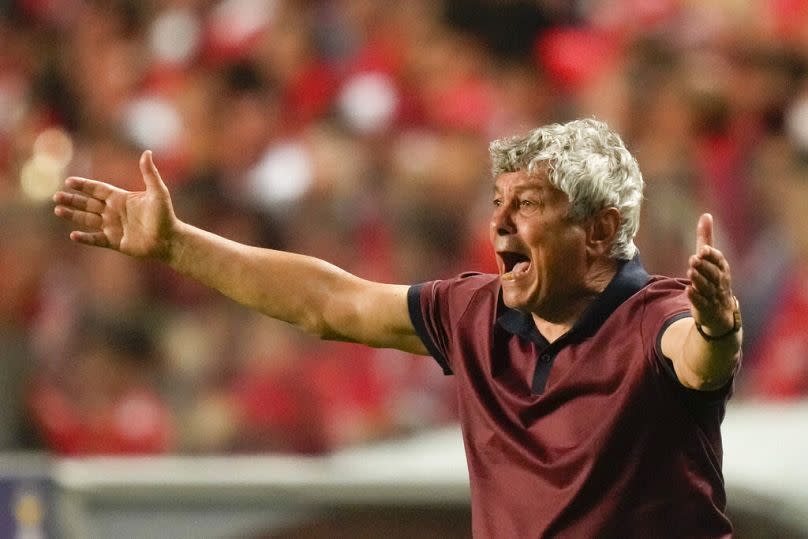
<point x="630" y="278"/>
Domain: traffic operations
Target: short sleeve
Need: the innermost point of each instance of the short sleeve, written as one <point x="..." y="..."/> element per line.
<point x="667" y="303"/>
<point x="436" y="309"/>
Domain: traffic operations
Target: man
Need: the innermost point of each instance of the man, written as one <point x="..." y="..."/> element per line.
<point x="590" y="393"/>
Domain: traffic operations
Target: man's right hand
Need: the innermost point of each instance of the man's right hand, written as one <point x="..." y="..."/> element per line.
<point x="139" y="224"/>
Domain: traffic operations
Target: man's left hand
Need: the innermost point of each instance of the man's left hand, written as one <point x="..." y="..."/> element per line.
<point x="712" y="303"/>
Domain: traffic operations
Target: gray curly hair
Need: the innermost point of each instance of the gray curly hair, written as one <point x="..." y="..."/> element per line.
<point x="588" y="162"/>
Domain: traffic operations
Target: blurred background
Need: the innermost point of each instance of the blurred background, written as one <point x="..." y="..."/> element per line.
<point x="356" y="131"/>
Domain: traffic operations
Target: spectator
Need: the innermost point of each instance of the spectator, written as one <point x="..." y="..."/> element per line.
<point x="318" y="127"/>
<point x="105" y="400"/>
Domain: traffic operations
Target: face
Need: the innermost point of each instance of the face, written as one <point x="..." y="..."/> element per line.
<point x="540" y="251"/>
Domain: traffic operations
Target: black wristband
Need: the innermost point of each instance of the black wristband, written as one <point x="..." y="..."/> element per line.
<point x="736" y="325"/>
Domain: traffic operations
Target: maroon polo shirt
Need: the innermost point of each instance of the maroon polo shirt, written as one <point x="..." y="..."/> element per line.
<point x="589" y="436"/>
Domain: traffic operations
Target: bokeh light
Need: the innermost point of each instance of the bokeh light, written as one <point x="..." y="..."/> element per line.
<point x="42" y="174"/>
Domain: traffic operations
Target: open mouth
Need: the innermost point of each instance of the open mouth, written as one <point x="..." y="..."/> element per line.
<point x="514" y="264"/>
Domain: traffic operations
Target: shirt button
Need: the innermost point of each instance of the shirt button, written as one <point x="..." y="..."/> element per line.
<point x="545" y="357"/>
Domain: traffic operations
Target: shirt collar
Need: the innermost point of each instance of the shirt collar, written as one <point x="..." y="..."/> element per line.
<point x="630" y="278"/>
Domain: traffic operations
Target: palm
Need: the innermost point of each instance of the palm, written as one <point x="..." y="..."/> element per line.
<point x="135" y="223"/>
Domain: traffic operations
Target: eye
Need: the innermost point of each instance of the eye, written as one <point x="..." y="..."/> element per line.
<point x="497" y="202"/>
<point x="528" y="206"/>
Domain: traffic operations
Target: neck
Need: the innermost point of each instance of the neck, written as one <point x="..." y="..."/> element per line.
<point x="598" y="276"/>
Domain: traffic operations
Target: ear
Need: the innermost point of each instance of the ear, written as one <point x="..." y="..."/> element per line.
<point x="602" y="231"/>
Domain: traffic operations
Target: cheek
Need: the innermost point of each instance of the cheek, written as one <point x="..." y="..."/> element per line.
<point x="574" y="253"/>
<point x="563" y="250"/>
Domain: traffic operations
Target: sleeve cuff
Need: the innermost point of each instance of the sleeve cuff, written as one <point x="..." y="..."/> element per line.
<point x="418" y="322"/>
<point x="706" y="397"/>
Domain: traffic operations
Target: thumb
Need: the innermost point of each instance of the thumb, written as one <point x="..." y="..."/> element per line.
<point x="704" y="231"/>
<point x="151" y="176"/>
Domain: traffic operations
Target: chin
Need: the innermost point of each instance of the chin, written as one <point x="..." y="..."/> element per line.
<point x="517" y="301"/>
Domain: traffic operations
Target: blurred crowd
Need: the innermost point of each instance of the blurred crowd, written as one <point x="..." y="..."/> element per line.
<point x="356" y="131"/>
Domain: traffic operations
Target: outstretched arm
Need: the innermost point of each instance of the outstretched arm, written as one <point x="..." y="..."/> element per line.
<point x="309" y="293"/>
<point x="706" y="359"/>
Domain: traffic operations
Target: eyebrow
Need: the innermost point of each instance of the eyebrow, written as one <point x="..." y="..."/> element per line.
<point x="521" y="188"/>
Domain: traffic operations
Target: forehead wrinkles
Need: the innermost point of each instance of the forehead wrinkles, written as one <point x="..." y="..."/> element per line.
<point x="521" y="181"/>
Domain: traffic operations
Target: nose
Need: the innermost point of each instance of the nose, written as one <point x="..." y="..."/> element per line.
<point x="502" y="221"/>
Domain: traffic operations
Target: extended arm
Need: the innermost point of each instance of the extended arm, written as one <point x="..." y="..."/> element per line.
<point x="309" y="293"/>
<point x="706" y="361"/>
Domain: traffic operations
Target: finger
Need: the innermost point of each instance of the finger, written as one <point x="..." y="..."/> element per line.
<point x="82" y="218"/>
<point x="95" y="189"/>
<point x="714" y="256"/>
<point x="79" y="202"/>
<point x="697" y="300"/>
<point x="151" y="176"/>
<point x="97" y="239"/>
<point x="704" y="231"/>
<point x="707" y="269"/>
<point x="702" y="285"/>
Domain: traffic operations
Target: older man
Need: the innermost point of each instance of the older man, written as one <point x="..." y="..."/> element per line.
<point x="591" y="394"/>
